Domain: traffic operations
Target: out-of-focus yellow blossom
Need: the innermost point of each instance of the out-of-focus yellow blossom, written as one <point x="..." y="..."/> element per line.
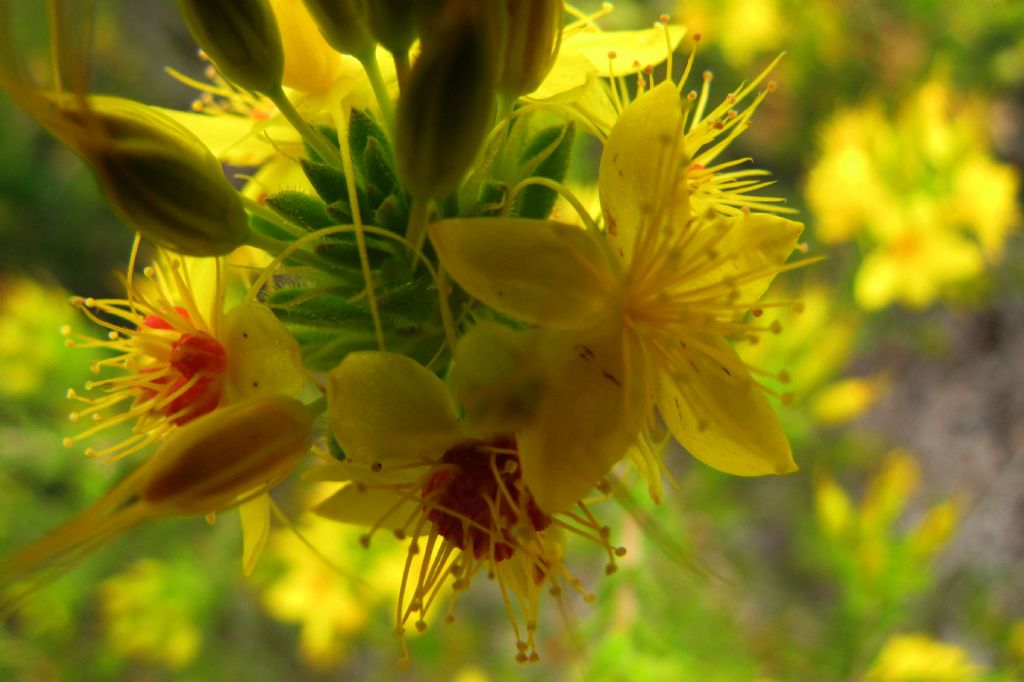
<point x="742" y="29"/>
<point x="1015" y="645"/>
<point x="920" y="192"/>
<point x="30" y="350"/>
<point x="149" y="614"/>
<point x="867" y="533"/>
<point x="847" y="399"/>
<point x="330" y="608"/>
<point x="919" y="658"/>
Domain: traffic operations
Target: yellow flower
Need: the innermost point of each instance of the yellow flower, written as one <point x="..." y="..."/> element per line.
<point x="462" y="501"/>
<point x="931" y="205"/>
<point x="636" y="315"/>
<point x="176" y="356"/>
<point x="329" y="608"/>
<point x="919" y="658"/>
<point x="149" y="616"/>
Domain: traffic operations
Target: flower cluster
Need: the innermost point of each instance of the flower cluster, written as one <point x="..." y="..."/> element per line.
<point x="393" y="262"/>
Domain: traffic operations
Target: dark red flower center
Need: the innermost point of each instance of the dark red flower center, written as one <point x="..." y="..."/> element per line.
<point x="476" y="498"/>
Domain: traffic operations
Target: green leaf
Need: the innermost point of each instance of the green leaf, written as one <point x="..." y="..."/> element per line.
<point x="379" y="171"/>
<point x="392" y="214"/>
<point x="361" y="129"/>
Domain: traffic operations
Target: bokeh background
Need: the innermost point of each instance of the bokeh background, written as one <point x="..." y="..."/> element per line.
<point x="895" y="554"/>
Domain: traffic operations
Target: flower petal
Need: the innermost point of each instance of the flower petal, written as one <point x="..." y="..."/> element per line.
<point x="594" y="403"/>
<point x="542" y="272"/>
<point x="362" y="506"/>
<point x="263" y="356"/>
<point x="722" y="418"/>
<point x="748" y="255"/>
<point x="642" y="175"/>
<point x="386" y="408"/>
<point x="255" y="516"/>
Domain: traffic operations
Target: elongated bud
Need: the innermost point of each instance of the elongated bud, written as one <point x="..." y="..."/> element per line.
<point x="242" y="39"/>
<point x="446" y="110"/>
<point x="532" y="39"/>
<point x="157" y="175"/>
<point x="344" y="24"/>
<point x="393" y="23"/>
<point x="243" y="448"/>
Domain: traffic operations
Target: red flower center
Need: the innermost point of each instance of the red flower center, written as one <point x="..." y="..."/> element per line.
<point x="477" y="497"/>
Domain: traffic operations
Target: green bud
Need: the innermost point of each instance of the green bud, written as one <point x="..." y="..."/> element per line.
<point x="447" y="107"/>
<point x="344" y="24"/>
<point x="157" y="176"/>
<point x="301" y="209"/>
<point x="532" y="39"/>
<point x="393" y="23"/>
<point x="242" y="39"/>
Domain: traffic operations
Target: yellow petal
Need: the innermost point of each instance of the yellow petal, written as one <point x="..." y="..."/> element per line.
<point x="386" y="408"/>
<point x="642" y="173"/>
<point x="541" y="272"/>
<point x="255" y="516"/>
<point x="593" y="408"/>
<point x="750" y="252"/>
<point x="723" y="419"/>
<point x="263" y="356"/>
<point x="634" y="50"/>
<point x="362" y="506"/>
<point x="310" y="64"/>
<point x="235" y="140"/>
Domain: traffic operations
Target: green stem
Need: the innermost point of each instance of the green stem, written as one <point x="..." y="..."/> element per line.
<point x="416" y="231"/>
<point x="380" y="90"/>
<point x="276" y="247"/>
<point x="315" y="140"/>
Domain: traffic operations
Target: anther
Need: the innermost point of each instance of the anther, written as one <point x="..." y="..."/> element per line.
<point x="612" y="54"/>
<point x="784" y="377"/>
<point x="776" y="327"/>
<point x="65" y="330"/>
<point x="376" y="467"/>
<point x="788" y="398"/>
<point x="757" y="312"/>
<point x="90" y="452"/>
<point x="697" y="37"/>
<point x="364" y="540"/>
<point x="772" y="86"/>
<point x="67" y="442"/>
<point x="620" y="551"/>
<point x="421" y="625"/>
<point x="399" y="534"/>
<point x="663" y="19"/>
<point x="708" y="76"/>
<point x="149" y="272"/>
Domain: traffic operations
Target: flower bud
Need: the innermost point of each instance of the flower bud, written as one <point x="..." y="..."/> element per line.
<point x="242" y="39"/>
<point x="243" y="448"/>
<point x="157" y="175"/>
<point x="344" y="24"/>
<point x="393" y="23"/>
<point x="446" y="109"/>
<point x="532" y="39"/>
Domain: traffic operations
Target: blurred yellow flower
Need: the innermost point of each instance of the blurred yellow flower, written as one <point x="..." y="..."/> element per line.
<point x="329" y="607"/>
<point x="919" y="658"/>
<point x="149" y="613"/>
<point x="920" y="192"/>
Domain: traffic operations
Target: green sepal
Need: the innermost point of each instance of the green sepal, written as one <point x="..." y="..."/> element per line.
<point x="343" y="249"/>
<point x="392" y="214"/>
<point x="379" y="169"/>
<point x="334" y="449"/>
<point x="329" y="182"/>
<point x="340" y="211"/>
<point x="306" y="211"/>
<point x="332" y="138"/>
<point x="546" y="156"/>
<point x="361" y="129"/>
<point x="493" y="195"/>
